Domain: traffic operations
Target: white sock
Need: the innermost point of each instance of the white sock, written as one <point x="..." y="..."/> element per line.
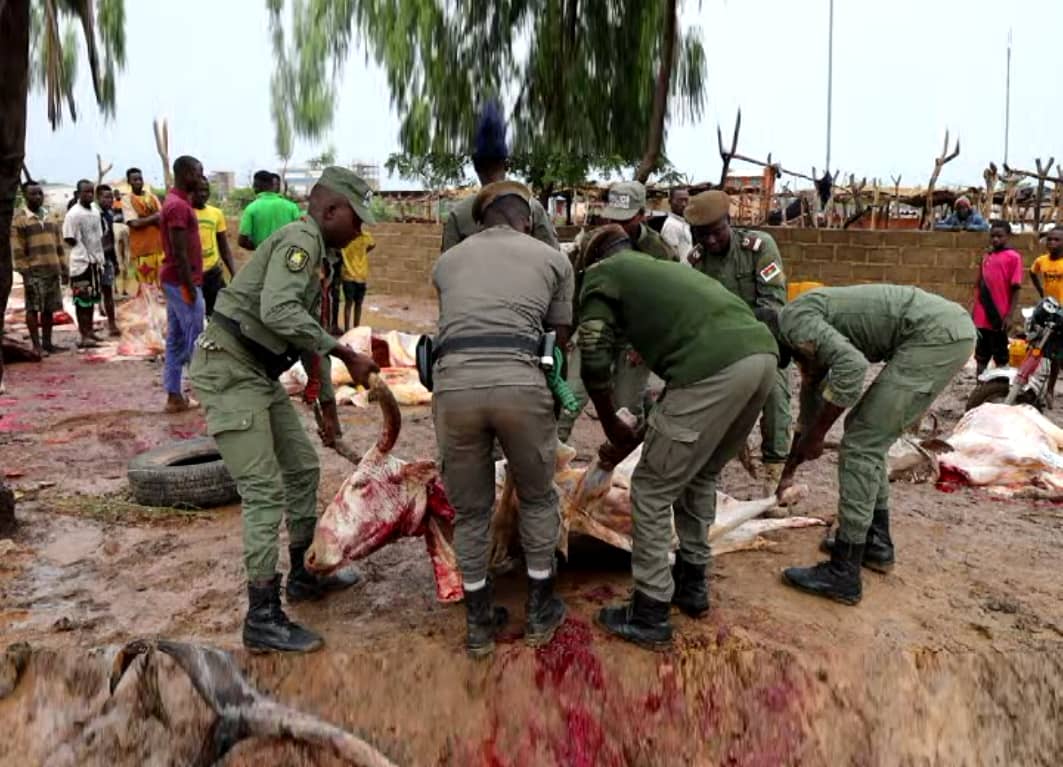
<point x="474" y="585"/>
<point x="539" y="575"/>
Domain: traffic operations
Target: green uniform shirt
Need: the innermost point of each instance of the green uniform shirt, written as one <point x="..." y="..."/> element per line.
<point x="276" y="296"/>
<point x="845" y="329"/>
<point x="267" y="213"/>
<point x="460" y="224"/>
<point x="686" y="328"/>
<point x="752" y="269"/>
<point x="652" y="244"/>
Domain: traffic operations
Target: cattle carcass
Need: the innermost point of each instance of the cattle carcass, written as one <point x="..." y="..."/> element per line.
<point x="386" y="499"/>
<point x="1012" y="450"/>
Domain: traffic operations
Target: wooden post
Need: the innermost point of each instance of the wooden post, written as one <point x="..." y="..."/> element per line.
<point x="939" y="162"/>
<point x="162" y="145"/>
<point x="1042" y="173"/>
<point x="725" y="155"/>
<point x="990" y="175"/>
<point x="876" y="190"/>
<point x="896" y="200"/>
<point x="102" y="171"/>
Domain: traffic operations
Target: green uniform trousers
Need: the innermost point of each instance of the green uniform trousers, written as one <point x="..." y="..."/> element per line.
<point x="693" y="432"/>
<point x="775" y="420"/>
<point x="266" y="449"/>
<point x="467" y="423"/>
<point x="629" y="389"/>
<point x="898" y="397"/>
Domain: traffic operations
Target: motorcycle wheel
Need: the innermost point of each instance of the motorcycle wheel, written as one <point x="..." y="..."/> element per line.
<point x="996" y="391"/>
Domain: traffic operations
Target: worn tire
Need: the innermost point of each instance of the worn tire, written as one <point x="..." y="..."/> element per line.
<point x="188" y="474"/>
<point x="996" y="391"/>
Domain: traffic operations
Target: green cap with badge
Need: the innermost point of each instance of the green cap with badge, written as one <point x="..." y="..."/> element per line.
<point x="624" y="201"/>
<point x="353" y="187"/>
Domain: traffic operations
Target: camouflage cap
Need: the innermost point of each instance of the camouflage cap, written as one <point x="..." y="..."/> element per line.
<point x="624" y="201"/>
<point x="493" y="192"/>
<point x="353" y="187"/>
<point x="707" y="208"/>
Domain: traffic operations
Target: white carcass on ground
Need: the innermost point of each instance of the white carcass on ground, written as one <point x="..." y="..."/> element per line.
<point x="386" y="498"/>
<point x="1012" y="450"/>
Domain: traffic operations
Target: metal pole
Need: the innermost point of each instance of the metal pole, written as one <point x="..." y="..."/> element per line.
<point x="830" y="77"/>
<point x="1007" y="103"/>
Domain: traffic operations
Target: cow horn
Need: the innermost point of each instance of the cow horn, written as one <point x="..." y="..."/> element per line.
<point x="242" y="711"/>
<point x="389" y="408"/>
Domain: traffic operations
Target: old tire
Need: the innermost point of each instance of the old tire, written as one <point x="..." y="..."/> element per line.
<point x="187" y="475"/>
<point x="996" y="391"/>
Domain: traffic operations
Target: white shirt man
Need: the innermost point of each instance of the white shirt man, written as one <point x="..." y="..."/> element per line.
<point x="84" y="226"/>
<point x="676" y="231"/>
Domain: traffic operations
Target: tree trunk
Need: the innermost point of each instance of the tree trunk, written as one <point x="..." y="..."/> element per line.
<point x="14" y="87"/>
<point x="660" y="95"/>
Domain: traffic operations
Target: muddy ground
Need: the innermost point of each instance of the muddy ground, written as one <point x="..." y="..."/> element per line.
<point x="956" y="658"/>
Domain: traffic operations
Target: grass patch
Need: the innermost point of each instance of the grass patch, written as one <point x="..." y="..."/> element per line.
<point x="119" y="507"/>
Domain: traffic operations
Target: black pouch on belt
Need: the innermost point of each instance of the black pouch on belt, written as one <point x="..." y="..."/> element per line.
<point x="425" y="359"/>
<point x="274" y="364"/>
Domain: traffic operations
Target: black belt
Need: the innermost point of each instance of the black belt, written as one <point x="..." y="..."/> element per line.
<point x="498" y="342"/>
<point x="274" y="363"/>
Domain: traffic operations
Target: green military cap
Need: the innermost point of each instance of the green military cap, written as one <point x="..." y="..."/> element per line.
<point x="707" y="208"/>
<point x="353" y="187"/>
<point x="493" y="192"/>
<point x="624" y="201"/>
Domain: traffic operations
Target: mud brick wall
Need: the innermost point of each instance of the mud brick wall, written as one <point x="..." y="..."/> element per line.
<point x="942" y="262"/>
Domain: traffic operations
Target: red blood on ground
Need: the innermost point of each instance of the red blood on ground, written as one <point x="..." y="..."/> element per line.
<point x="603" y="593"/>
<point x="570" y="651"/>
<point x="950" y="480"/>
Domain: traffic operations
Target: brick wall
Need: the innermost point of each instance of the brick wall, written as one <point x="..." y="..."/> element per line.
<point x="942" y="262"/>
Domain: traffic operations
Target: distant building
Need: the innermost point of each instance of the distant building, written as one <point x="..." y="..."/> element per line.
<point x="222" y="183"/>
<point x="300" y="178"/>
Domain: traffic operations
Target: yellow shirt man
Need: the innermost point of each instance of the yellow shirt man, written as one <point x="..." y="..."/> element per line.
<point x="211" y="224"/>
<point x="1049" y="271"/>
<point x="356" y="258"/>
<point x="355" y="274"/>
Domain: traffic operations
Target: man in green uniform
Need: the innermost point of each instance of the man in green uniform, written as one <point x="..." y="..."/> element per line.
<point x="269" y="316"/>
<point x="489" y="161"/>
<point x="625" y="207"/>
<point x="267" y="213"/>
<point x="748" y="264"/>
<point x="498" y="291"/>
<point x="674" y="318"/>
<point x="834" y="334"/>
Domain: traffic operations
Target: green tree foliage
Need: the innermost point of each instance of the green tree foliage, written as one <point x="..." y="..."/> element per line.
<point x="327" y="157"/>
<point x="434" y="170"/>
<point x="581" y="75"/>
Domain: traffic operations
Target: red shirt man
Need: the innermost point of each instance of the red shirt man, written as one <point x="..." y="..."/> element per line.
<point x="1001" y="279"/>
<point x="178" y="214"/>
<point x="181" y="276"/>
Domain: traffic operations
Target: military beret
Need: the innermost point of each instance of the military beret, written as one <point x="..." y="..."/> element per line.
<point x="707" y="208"/>
<point x="352" y="186"/>
<point x="493" y="192"/>
<point x="601" y="238"/>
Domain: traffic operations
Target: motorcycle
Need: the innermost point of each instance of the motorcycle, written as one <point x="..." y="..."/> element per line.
<point x="1026" y="384"/>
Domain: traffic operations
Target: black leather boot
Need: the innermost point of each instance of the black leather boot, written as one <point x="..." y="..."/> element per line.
<point x="691" y="588"/>
<point x="545" y="612"/>
<point x="837" y="579"/>
<point x="483" y="620"/>
<point x="643" y="621"/>
<point x="304" y="586"/>
<point x="266" y="627"/>
<point x="878" y="549"/>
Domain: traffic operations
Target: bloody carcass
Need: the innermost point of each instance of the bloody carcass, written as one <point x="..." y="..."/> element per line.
<point x="387" y="498"/>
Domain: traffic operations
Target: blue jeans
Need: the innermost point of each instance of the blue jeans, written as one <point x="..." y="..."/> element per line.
<point x="184" y="323"/>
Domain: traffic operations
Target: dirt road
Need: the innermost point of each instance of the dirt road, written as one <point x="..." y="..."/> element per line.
<point x="955" y="658"/>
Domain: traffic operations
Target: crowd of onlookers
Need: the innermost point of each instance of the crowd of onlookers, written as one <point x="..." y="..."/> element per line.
<point x="107" y="241"/>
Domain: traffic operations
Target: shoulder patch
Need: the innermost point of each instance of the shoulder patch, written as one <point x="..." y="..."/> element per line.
<point x="770" y="272"/>
<point x="296" y="259"/>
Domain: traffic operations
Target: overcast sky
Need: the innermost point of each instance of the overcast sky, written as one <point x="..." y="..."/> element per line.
<point x="904" y="71"/>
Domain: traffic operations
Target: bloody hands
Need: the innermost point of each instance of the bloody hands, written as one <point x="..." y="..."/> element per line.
<point x="359" y="366"/>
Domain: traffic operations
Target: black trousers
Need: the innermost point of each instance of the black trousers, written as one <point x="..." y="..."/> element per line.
<point x="992" y="345"/>
<point x="213" y="282"/>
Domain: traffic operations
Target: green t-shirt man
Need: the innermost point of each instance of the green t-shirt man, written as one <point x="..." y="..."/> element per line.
<point x="266" y="214"/>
